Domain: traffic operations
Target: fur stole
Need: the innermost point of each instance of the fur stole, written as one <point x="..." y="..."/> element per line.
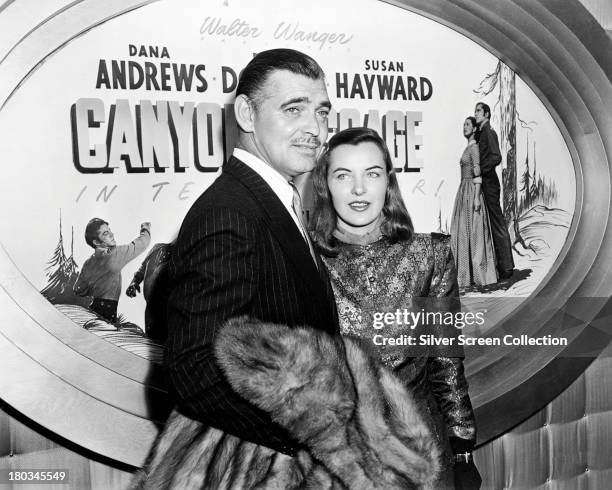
<point x="354" y="417"/>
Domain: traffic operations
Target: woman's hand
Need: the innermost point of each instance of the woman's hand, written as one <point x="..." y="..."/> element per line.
<point x="477" y="204"/>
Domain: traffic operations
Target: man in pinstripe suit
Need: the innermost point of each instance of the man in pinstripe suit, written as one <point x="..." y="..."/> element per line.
<point x="243" y="249"/>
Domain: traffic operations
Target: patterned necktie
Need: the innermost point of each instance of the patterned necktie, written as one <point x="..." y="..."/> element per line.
<point x="296" y="205"/>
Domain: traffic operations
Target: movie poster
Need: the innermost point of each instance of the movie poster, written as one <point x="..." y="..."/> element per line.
<point x="141" y="124"/>
<point x="131" y="120"/>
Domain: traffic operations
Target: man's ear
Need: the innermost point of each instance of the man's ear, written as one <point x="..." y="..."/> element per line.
<point x="97" y="242"/>
<point x="245" y="113"/>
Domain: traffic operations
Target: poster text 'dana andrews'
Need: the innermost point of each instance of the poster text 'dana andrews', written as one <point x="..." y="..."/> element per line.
<point x="142" y="136"/>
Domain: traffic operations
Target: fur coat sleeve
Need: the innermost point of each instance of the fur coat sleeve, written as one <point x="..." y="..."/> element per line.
<point x="352" y="415"/>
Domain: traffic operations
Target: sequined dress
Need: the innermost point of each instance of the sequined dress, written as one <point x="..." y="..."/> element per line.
<point x="381" y="277"/>
<point x="472" y="242"/>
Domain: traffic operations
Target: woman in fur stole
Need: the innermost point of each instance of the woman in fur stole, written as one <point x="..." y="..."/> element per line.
<point x="379" y="266"/>
<point x="358" y="426"/>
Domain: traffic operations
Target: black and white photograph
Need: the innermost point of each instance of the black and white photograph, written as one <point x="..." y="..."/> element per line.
<point x="360" y="244"/>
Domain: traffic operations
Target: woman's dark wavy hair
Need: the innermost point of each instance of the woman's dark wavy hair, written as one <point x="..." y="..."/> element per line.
<point x="396" y="225"/>
<point x="474" y="125"/>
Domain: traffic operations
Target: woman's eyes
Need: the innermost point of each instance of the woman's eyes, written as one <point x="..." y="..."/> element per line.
<point x="372" y="175"/>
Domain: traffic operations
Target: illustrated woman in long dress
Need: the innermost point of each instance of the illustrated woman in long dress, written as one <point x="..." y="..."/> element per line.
<point x="471" y="240"/>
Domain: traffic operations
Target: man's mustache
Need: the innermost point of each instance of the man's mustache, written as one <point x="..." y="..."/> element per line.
<point x="314" y="141"/>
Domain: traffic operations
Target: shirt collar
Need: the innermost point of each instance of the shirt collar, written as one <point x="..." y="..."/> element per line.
<point x="273" y="178"/>
<point x="102" y="250"/>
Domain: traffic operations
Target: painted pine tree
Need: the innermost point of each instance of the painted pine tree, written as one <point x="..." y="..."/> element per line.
<point x="527" y="184"/>
<point x="61" y="274"/>
<point x="505" y="79"/>
<point x="72" y="270"/>
<point x="533" y="190"/>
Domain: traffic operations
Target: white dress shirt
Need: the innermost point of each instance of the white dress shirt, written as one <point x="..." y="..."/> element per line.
<point x="276" y="181"/>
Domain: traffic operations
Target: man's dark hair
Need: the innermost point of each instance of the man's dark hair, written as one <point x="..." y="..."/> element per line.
<point x="265" y="63"/>
<point x="91" y="230"/>
<point x="486" y="109"/>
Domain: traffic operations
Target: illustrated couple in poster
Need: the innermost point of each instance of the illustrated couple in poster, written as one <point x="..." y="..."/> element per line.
<point x="269" y="316"/>
<point x="479" y="233"/>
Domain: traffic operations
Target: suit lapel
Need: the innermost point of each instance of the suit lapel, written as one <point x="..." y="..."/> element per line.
<point x="282" y="225"/>
<point x="324" y="275"/>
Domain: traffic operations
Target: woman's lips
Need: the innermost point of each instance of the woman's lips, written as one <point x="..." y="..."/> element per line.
<point x="359" y="205"/>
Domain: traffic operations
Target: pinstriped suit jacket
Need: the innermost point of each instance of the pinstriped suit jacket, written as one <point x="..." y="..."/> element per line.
<point x="238" y="252"/>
